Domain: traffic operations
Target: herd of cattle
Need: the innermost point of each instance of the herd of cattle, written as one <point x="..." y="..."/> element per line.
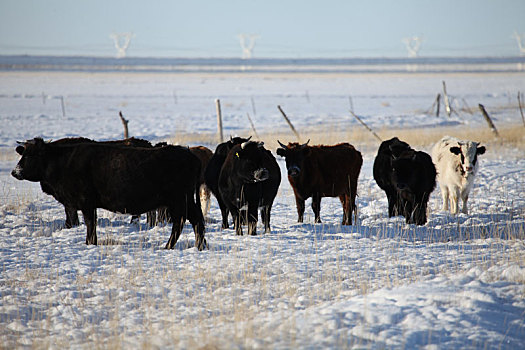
<point x="173" y="183"/>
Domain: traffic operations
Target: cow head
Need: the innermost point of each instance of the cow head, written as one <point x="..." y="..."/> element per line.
<point x="468" y="152"/>
<point x="225" y="147"/>
<point x="396" y="147"/>
<point x="248" y="158"/>
<point x="403" y="176"/>
<point x="295" y="155"/>
<point x="31" y="165"/>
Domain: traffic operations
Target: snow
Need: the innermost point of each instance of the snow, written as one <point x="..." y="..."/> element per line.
<point x="457" y="282"/>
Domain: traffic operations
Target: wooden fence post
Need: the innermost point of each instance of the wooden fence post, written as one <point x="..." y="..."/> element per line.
<point x="289" y="123"/>
<point x="219" y="119"/>
<point x="125" y="124"/>
<point x="63" y="106"/>
<point x="253" y="126"/>
<point x="521" y="109"/>
<point x="366" y="126"/>
<point x="489" y="121"/>
<point x="448" y="109"/>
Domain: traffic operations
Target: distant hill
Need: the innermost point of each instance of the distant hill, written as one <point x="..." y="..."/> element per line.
<point x="262" y="65"/>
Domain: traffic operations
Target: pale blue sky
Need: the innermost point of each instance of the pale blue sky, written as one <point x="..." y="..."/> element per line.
<point x="286" y="28"/>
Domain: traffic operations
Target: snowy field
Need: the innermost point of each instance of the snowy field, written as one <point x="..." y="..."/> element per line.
<point x="457" y="282"/>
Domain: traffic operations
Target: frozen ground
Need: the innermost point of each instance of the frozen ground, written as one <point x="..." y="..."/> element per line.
<point x="457" y="282"/>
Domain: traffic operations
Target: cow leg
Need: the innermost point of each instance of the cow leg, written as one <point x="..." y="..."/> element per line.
<point x="224" y="213"/>
<point x="177" y="212"/>
<point x="151" y="218"/>
<point x="135" y="219"/>
<point x="454" y="201"/>
<point x="316" y="207"/>
<point x="71" y="217"/>
<point x="347" y="211"/>
<point x="265" y="217"/>
<point x="393" y="207"/>
<point x="197" y="221"/>
<point x="90" y="219"/>
<point x="420" y="210"/>
<point x="205" y="198"/>
<point x="445" y="197"/>
<point x="300" y="208"/>
<point x="419" y="214"/>
<point x="162" y="216"/>
<point x="176" y="229"/>
<point x="243" y="213"/>
<point x="252" y="220"/>
<point x="464" y="197"/>
<point x="237" y="222"/>
<point x="407" y="210"/>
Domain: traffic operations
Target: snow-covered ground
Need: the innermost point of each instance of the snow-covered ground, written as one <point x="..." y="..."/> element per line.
<point x="457" y="282"/>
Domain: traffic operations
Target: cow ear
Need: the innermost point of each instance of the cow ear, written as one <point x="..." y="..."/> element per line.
<point x="20" y="149"/>
<point x="481" y="150"/>
<point x="455" y="150"/>
<point x="281" y="152"/>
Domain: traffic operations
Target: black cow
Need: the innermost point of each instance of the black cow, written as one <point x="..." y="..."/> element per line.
<point x="249" y="179"/>
<point x="323" y="171"/>
<point x="213" y="171"/>
<point x="72" y="213"/>
<point x="204" y="154"/>
<point x="118" y="178"/>
<point x="408" y="177"/>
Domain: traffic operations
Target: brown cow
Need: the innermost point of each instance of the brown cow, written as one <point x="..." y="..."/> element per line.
<point x="323" y="171"/>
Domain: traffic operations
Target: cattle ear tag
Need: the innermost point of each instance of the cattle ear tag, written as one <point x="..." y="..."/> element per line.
<point x="237" y="154"/>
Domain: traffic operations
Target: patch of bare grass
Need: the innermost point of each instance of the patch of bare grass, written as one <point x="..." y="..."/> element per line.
<point x="511" y="136"/>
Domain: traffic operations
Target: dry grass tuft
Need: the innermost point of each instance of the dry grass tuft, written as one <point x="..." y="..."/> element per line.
<point x="511" y="136"/>
<point x="8" y="154"/>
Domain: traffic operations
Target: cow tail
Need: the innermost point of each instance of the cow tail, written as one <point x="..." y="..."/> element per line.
<point x="198" y="185"/>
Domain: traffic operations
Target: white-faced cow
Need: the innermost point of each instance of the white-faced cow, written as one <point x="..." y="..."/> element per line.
<point x="213" y="171"/>
<point x="323" y="171"/>
<point x="249" y="180"/>
<point x="408" y="177"/>
<point x="457" y="164"/>
<point x="118" y="178"/>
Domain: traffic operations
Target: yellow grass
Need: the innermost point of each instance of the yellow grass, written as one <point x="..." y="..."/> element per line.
<point x="511" y="136"/>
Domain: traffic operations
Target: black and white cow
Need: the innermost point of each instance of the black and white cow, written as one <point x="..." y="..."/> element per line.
<point x="249" y="180"/>
<point x="457" y="165"/>
<point x="118" y="178"/>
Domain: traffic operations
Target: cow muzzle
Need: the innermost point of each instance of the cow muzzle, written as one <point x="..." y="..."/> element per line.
<point x="17" y="173"/>
<point x="294" y="171"/>
<point x="404" y="191"/>
<point x="469" y="170"/>
<point x="260" y="175"/>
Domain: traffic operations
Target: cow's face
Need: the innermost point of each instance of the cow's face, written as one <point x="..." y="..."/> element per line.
<point x="225" y="147"/>
<point x="31" y="165"/>
<point x="248" y="158"/>
<point x="404" y="177"/>
<point x="295" y="156"/>
<point x="468" y="156"/>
